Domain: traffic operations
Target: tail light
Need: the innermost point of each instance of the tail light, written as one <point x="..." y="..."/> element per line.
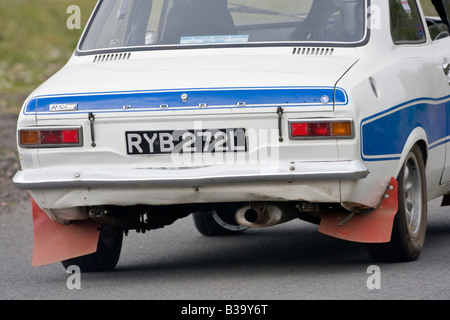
<point x="320" y="128"/>
<point x="50" y="137"/>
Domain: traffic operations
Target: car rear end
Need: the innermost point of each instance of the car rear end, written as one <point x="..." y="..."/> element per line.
<point x="208" y="119"/>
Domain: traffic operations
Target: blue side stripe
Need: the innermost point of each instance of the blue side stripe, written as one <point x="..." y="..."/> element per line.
<point x="214" y="98"/>
<point x="384" y="134"/>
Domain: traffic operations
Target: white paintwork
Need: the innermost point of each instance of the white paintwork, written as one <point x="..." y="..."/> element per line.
<point x="400" y="73"/>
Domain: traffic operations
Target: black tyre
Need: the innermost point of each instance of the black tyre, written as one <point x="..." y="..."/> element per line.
<point x="217" y="222"/>
<point x="410" y="223"/>
<point x="107" y="255"/>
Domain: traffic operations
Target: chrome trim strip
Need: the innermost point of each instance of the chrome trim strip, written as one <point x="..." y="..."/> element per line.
<point x="190" y="176"/>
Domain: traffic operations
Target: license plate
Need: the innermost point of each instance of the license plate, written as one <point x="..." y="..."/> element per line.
<point x="186" y="141"/>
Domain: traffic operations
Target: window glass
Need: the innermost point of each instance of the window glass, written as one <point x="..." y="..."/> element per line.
<point x="446" y="4"/>
<point x="134" y="23"/>
<point x="406" y="22"/>
<point x="436" y="17"/>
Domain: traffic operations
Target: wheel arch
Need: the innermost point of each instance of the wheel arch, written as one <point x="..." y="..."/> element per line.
<point x="417" y="137"/>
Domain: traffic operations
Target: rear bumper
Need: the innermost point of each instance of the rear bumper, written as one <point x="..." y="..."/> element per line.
<point x="38" y="179"/>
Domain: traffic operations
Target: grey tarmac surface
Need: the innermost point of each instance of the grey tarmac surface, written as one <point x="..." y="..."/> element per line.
<point x="292" y="261"/>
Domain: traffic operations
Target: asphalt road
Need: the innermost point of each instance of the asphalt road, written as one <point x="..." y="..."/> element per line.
<point x="292" y="261"/>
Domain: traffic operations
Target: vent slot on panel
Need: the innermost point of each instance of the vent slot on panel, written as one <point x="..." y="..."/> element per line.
<point x="112" y="57"/>
<point x="311" y="51"/>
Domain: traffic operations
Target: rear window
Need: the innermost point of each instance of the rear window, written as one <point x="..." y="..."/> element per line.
<point x="145" y="23"/>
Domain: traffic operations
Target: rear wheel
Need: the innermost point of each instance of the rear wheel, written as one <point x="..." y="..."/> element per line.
<point x="107" y="255"/>
<point x="408" y="233"/>
<point x="219" y="222"/>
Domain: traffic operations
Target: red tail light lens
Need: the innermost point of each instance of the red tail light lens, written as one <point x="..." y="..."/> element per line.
<point x="321" y="128"/>
<point x="47" y="137"/>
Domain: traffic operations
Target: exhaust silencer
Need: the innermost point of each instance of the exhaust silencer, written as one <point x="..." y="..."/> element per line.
<point x="260" y="215"/>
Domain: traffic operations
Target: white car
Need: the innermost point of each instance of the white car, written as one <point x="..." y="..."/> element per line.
<point x="243" y="114"/>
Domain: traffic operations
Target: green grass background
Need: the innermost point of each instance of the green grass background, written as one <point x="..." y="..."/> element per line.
<point x="34" y="43"/>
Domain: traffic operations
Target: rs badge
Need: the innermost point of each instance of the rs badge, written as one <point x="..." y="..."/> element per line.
<point x="63" y="107"/>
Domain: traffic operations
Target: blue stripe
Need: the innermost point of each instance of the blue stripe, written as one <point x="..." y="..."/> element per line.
<point x="384" y="134"/>
<point x="213" y="98"/>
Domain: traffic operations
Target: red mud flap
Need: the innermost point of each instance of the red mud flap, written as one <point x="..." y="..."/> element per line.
<point x="54" y="242"/>
<point x="374" y="227"/>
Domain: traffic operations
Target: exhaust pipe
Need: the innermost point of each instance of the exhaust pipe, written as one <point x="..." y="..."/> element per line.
<point x="260" y="215"/>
